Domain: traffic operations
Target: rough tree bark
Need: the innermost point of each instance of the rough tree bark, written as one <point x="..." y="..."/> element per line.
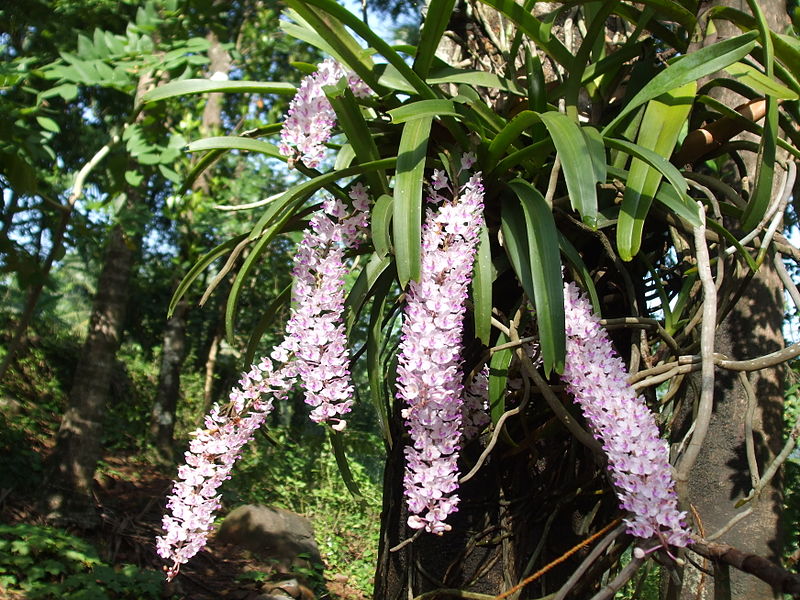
<point x="68" y="493"/>
<point x="71" y="466"/>
<point x="721" y="476"/>
<point x="173" y="351"/>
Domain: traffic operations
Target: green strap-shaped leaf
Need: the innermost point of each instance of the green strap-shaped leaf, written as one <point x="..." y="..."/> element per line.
<point x="688" y="68"/>
<point x="331" y="29"/>
<point x="436" y="19"/>
<point x="380" y="223"/>
<point x="573" y="150"/>
<point x="574" y="258"/>
<point x="204" y="86"/>
<point x="447" y="74"/>
<point x="498" y="379"/>
<point x="299" y="29"/>
<point x="681" y="204"/>
<point x="298" y="193"/>
<point x="376" y="342"/>
<point x="755" y="79"/>
<point x="363" y="288"/>
<point x="337" y="444"/>
<point x="484" y="111"/>
<point x="232" y="142"/>
<point x="233" y="296"/>
<point x="508" y="135"/>
<point x="531" y="241"/>
<point x="355" y="129"/>
<point x="266" y="321"/>
<point x="663" y="120"/>
<point x="765" y="171"/>
<point x="597" y="152"/>
<point x="786" y="47"/>
<point x="482" y="288"/>
<point x="199" y="267"/>
<point x="761" y="197"/>
<point x="407" y="218"/>
<point x="536" y="152"/>
<point x="423" y="108"/>
<point x="197" y="169"/>
<point x="669" y="10"/>
<point x="537" y="85"/>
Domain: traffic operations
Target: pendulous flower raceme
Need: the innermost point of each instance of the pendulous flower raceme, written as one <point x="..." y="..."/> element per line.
<point x="429" y="364"/>
<point x="315" y="341"/>
<point x="638" y="458"/>
<point x="209" y="461"/>
<point x="313" y="350"/>
<point x="311" y="118"/>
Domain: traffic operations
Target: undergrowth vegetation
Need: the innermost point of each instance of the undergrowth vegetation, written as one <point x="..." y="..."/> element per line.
<point x="45" y="562"/>
<point x="292" y="468"/>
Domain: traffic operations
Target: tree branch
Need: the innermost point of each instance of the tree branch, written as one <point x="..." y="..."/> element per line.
<point x="758" y="566"/>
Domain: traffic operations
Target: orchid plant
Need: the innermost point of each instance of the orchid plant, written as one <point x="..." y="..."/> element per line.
<point x="501" y="213"/>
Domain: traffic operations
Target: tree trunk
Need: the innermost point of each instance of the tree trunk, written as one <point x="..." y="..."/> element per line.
<point x="68" y="485"/>
<point x="173" y="351"/>
<point x="162" y="427"/>
<point x="721" y="475"/>
<point x="68" y="494"/>
<point x="210" y="367"/>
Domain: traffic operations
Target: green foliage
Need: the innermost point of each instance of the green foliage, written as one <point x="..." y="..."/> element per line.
<point x="44" y="562"/>
<point x="791" y="474"/>
<point x="297" y="471"/>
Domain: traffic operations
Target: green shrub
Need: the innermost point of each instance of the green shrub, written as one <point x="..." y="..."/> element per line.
<point x="44" y="562"/>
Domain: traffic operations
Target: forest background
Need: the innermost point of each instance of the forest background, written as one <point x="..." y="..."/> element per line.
<point x="104" y="212"/>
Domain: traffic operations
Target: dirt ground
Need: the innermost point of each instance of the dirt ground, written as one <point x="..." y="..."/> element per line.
<point x="130" y="497"/>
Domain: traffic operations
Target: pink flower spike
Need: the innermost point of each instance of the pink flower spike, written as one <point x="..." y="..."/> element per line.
<point x="314" y="349"/>
<point x="638" y="458"/>
<point x="209" y="461"/>
<point x="429" y="363"/>
<point x="311" y="119"/>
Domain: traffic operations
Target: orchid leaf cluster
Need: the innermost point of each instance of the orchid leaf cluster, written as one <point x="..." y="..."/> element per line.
<point x="513" y="209"/>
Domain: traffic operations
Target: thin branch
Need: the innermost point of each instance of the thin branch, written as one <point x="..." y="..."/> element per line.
<point x="621" y="579"/>
<point x="589" y="561"/>
<point x="749" y="444"/>
<point x="707" y="332"/>
<point x="406" y="541"/>
<point x="767" y="571"/>
<point x="786" y="279"/>
<point x="730" y="524"/>
<point x="762" y="362"/>
<point x="552" y="183"/>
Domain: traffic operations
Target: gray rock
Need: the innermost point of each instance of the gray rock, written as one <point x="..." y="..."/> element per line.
<point x="274" y="534"/>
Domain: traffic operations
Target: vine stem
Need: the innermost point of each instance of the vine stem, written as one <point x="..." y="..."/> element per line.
<point x="707" y="332"/>
<point x="559" y="560"/>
